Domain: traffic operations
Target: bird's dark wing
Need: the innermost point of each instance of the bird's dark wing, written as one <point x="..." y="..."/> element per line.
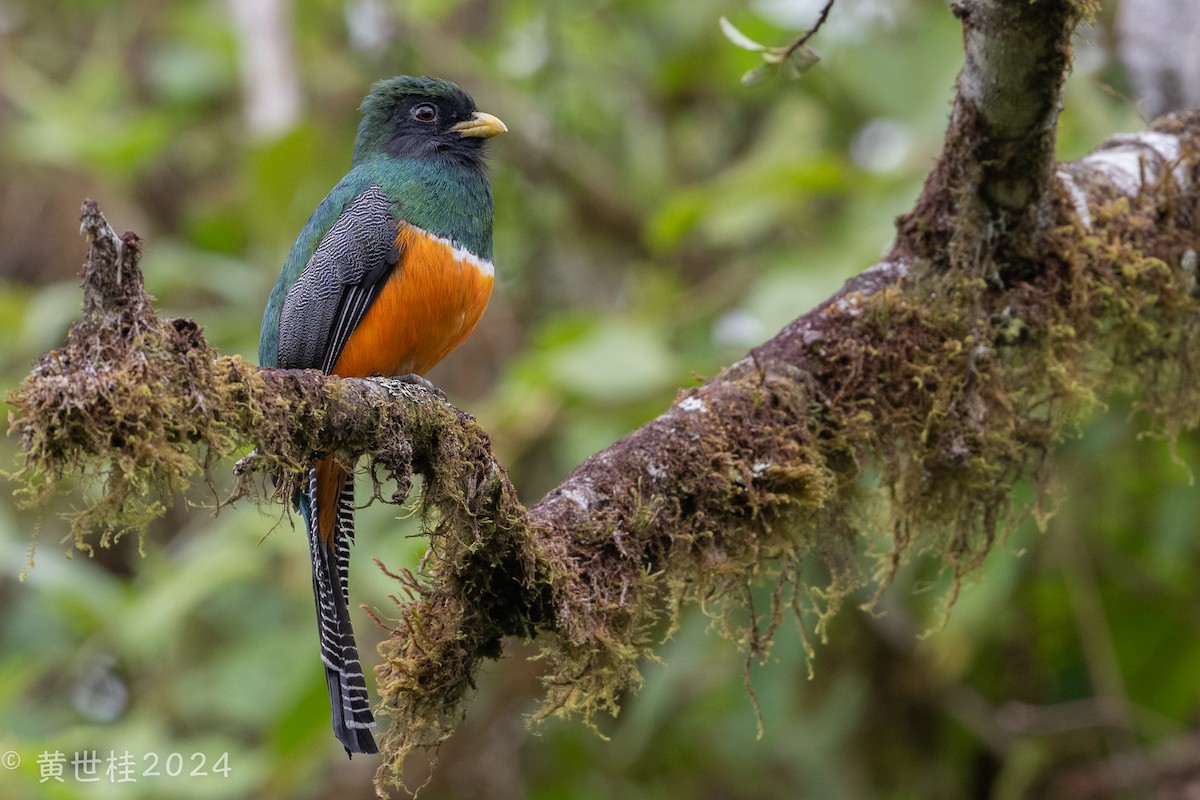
<point x="338" y="284"/>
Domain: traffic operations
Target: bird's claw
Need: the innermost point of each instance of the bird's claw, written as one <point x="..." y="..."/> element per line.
<point x="420" y="380"/>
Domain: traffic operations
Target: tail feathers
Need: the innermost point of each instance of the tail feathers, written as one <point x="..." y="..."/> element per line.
<point x="354" y="739"/>
<point x="348" y="699"/>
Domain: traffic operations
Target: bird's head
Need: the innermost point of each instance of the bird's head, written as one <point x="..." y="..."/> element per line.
<point x="407" y="117"/>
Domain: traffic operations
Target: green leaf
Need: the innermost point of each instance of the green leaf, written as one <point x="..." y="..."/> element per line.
<point x="799" y="61"/>
<point x="738" y="38"/>
<point x="759" y="75"/>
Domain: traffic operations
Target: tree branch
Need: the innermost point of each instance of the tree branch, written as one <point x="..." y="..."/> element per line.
<point x="987" y="199"/>
<point x="1016" y="296"/>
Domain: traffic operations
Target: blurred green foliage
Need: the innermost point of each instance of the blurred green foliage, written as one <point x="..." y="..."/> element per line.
<point x="654" y="220"/>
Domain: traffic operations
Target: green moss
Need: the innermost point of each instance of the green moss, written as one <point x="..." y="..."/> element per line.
<point x="131" y="403"/>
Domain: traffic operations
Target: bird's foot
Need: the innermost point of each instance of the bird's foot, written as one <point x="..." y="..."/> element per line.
<point x="423" y="382"/>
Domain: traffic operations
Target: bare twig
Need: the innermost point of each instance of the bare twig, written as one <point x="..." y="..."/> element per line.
<point x="811" y="32"/>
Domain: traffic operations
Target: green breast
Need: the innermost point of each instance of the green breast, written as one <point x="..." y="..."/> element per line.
<point x="443" y="197"/>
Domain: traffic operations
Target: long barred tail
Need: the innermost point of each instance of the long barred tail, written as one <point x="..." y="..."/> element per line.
<point x="348" y="699"/>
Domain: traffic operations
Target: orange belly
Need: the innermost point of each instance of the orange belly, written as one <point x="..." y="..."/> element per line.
<point x="428" y="307"/>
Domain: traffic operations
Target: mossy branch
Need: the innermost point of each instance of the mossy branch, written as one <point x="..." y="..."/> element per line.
<point x="950" y="369"/>
<point x="145" y="405"/>
<point x="987" y="201"/>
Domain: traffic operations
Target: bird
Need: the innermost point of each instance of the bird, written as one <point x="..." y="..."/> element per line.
<point x="391" y="272"/>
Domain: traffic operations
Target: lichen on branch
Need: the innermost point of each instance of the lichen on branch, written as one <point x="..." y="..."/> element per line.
<point x="142" y="406"/>
<point x="130" y="401"/>
<point x="948" y="386"/>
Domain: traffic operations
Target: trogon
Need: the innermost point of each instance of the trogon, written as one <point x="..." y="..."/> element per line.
<point x="390" y="273"/>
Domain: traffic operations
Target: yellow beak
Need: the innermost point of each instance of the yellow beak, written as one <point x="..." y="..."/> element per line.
<point x="481" y="125"/>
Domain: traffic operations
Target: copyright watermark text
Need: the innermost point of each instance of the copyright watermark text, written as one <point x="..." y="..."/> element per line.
<point x="95" y="766"/>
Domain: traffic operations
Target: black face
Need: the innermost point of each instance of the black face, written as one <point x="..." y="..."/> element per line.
<point x="423" y="126"/>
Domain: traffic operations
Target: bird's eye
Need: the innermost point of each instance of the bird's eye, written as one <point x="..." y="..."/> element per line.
<point x="424" y="113"/>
